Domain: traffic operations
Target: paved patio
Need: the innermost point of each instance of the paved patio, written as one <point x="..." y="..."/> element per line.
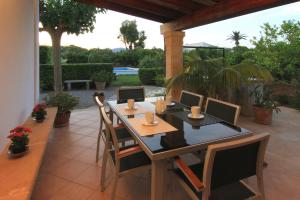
<point x="69" y="170"/>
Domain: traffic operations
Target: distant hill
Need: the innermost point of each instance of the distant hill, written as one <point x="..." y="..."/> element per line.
<point x="118" y="49"/>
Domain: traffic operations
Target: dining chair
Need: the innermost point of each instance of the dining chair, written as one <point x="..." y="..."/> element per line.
<point x="125" y="93"/>
<point x="126" y="160"/>
<point x="190" y="99"/>
<point x="223" y="110"/>
<point x="122" y="134"/>
<point x="225" y="165"/>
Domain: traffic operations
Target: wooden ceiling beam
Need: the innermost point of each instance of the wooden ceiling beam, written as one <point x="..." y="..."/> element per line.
<point x="129" y="11"/>
<point x="220" y="11"/>
<point x="146" y="7"/>
<point x="177" y="5"/>
<point x="205" y="2"/>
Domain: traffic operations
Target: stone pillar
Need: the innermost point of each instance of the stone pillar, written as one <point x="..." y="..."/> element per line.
<point x="174" y="57"/>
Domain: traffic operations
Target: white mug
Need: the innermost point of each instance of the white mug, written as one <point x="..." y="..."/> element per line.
<point x="149" y="117"/>
<point x="195" y="111"/>
<point x="130" y="103"/>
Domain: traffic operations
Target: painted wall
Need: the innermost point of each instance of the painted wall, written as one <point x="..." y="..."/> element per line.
<point x="18" y="63"/>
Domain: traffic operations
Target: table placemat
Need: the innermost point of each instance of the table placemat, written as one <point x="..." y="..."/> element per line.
<point x="123" y="109"/>
<point x="208" y="119"/>
<point x="142" y="130"/>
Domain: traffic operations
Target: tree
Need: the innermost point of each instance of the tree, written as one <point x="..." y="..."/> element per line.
<point x="236" y="36"/>
<point x="60" y="16"/>
<point x="130" y="36"/>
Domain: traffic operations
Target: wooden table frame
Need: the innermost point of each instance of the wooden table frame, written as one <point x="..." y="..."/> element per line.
<point x="159" y="160"/>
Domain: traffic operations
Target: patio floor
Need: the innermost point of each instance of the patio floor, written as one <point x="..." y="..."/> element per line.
<point x="69" y="170"/>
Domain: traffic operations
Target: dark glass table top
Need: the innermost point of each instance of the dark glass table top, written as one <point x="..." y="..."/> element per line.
<point x="190" y="131"/>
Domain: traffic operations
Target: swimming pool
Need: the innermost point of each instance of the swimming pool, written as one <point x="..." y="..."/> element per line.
<point x="125" y="70"/>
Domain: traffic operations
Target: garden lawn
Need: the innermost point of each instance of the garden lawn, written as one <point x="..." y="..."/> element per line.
<point x="127" y="80"/>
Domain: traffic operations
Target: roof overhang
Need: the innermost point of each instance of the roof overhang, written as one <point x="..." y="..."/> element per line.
<point x="179" y="15"/>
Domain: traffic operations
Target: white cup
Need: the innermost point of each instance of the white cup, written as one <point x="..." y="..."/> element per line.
<point x="149" y="117"/>
<point x="195" y="111"/>
<point x="130" y="103"/>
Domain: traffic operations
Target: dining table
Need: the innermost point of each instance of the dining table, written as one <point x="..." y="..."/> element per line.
<point x="174" y="134"/>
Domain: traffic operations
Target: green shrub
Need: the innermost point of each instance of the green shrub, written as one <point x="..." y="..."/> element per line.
<point x="297" y="100"/>
<point x="147" y="75"/>
<point x="160" y="80"/>
<point x="102" y="76"/>
<point x="44" y="54"/>
<point x="101" y="56"/>
<point x="74" y="54"/>
<point x="63" y="100"/>
<point x="72" y="72"/>
<point x="152" y="61"/>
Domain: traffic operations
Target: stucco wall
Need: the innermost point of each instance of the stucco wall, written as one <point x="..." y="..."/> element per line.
<point x="18" y="63"/>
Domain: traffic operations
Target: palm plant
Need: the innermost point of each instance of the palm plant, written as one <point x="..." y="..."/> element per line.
<point x="215" y="75"/>
<point x="236" y="36"/>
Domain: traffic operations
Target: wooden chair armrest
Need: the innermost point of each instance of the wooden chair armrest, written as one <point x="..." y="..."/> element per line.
<point x="119" y="126"/>
<point x="129" y="151"/>
<point x="191" y="176"/>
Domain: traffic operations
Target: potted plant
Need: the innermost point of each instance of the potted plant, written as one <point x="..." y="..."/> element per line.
<point x="64" y="103"/>
<point x="100" y="79"/>
<point x="263" y="105"/>
<point x="20" y="140"/>
<point x="39" y="112"/>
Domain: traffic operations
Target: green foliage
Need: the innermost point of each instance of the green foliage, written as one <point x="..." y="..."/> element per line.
<point x="101" y="56"/>
<point x="211" y="76"/>
<point x="237" y="55"/>
<point x="74" y="54"/>
<point x="130" y="36"/>
<point x="71" y="72"/>
<point x="263" y="98"/>
<point x="44" y="54"/>
<point x="126" y="80"/>
<point x="160" y="80"/>
<point x="278" y="49"/>
<point x="152" y="61"/>
<point x="64" y="101"/>
<point x="147" y="75"/>
<point x="236" y="36"/>
<point x="102" y="76"/>
<point x="297" y="100"/>
<point x="68" y="16"/>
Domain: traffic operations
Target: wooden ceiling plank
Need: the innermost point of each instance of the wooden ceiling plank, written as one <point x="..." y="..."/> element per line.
<point x="174" y="5"/>
<point x="129" y="11"/>
<point x="147" y="7"/>
<point x="205" y="2"/>
<point x="222" y="10"/>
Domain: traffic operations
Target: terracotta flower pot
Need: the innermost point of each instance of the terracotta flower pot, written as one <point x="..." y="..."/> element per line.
<point x="262" y="115"/>
<point x="62" y="120"/>
<point x="100" y="85"/>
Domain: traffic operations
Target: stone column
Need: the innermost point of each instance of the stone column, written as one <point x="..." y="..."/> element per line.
<point x="174" y="57"/>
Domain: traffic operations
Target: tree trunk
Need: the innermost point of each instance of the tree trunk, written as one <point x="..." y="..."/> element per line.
<point x="57" y="71"/>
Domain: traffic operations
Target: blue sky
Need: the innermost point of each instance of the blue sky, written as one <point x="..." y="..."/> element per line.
<point x="107" y="29"/>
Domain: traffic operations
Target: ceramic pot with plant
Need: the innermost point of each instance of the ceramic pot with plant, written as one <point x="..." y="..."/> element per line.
<point x="100" y="79"/>
<point x="19" y="137"/>
<point x="264" y="105"/>
<point x="39" y="112"/>
<point x="64" y="103"/>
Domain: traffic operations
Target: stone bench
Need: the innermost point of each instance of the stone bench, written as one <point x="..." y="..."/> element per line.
<point x="69" y="82"/>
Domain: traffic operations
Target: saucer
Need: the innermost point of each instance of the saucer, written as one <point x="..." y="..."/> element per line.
<point x="199" y="116"/>
<point x="150" y="124"/>
<point x="134" y="108"/>
<point x="171" y="104"/>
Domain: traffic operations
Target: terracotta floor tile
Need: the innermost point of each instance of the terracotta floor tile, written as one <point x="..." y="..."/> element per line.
<point x="47" y="186"/>
<point x="70" y="170"/>
<point x="73" y="191"/>
<point x="87" y="142"/>
<point x="90" y="177"/>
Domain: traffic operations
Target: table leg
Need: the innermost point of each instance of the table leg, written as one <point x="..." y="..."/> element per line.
<point x="158" y="179"/>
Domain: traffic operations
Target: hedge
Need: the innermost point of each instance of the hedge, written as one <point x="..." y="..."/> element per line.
<point x="71" y="72"/>
<point x="147" y="75"/>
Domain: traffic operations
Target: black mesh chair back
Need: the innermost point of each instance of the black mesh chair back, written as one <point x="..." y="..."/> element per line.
<point x="223" y="110"/>
<point x="234" y="164"/>
<point x="190" y="99"/>
<point x="125" y="93"/>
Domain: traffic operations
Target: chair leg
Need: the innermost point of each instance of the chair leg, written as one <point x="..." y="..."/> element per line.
<point x="260" y="185"/>
<point x="103" y="169"/>
<point x="115" y="183"/>
<point x="98" y="142"/>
